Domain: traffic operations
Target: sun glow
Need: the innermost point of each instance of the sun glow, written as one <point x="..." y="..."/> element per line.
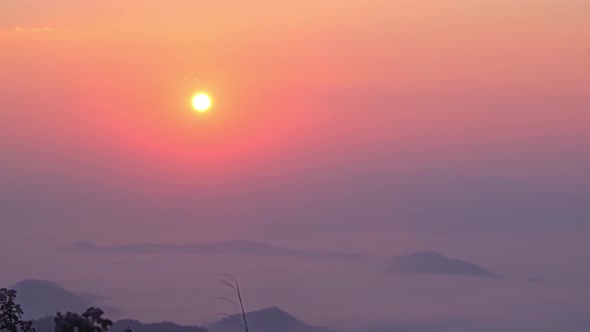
<point x="201" y="102"/>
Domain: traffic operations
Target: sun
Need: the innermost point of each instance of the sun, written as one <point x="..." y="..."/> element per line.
<point x="201" y="102"/>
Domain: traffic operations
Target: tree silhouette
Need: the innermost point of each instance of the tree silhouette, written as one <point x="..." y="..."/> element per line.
<point x="89" y="321"/>
<point x="11" y="313"/>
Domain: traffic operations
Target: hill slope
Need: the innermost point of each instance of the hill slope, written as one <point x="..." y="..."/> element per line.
<point x="40" y="298"/>
<point x="431" y="262"/>
<point x="266" y="320"/>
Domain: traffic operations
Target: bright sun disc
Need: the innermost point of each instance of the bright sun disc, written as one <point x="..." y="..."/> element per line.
<point x="201" y="102"/>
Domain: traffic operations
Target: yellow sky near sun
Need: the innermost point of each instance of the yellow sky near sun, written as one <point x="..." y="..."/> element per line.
<point x="374" y="43"/>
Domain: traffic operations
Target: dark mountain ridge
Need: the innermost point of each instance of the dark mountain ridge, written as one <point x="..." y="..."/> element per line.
<point x="271" y="319"/>
<point x="46" y="324"/>
<point x="241" y="247"/>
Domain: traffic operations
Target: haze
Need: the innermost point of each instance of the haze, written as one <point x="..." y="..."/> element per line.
<point x="374" y="128"/>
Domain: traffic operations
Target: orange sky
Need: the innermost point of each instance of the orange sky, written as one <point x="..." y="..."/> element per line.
<point x="124" y="63"/>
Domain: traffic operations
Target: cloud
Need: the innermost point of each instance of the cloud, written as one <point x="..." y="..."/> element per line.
<point x="28" y="30"/>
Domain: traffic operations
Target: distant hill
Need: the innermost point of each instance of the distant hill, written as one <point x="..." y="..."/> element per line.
<point x="138" y="326"/>
<point x="240" y="247"/>
<point x="266" y="320"/>
<point x="46" y="325"/>
<point x="431" y="262"/>
<point x="40" y="298"/>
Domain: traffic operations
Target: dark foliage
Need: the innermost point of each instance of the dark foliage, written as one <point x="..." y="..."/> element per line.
<point x="11" y="313"/>
<point x="89" y="321"/>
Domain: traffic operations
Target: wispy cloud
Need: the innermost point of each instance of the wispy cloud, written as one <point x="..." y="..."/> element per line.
<point x="28" y="30"/>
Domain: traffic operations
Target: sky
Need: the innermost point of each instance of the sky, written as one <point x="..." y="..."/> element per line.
<point x="374" y="126"/>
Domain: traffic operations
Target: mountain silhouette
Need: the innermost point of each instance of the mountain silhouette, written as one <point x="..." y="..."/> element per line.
<point x="241" y="247"/>
<point x="271" y="319"/>
<point x="431" y="262"/>
<point x="40" y="298"/>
